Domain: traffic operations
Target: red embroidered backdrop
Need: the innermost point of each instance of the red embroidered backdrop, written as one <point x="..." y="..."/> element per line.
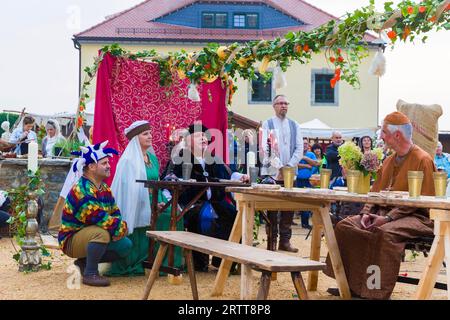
<point x="129" y="90"/>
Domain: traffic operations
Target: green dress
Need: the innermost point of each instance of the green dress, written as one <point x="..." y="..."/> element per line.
<point x="132" y="265"/>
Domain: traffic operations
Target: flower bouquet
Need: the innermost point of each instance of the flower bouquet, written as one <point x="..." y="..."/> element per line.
<point x="360" y="167"/>
<point x="371" y="162"/>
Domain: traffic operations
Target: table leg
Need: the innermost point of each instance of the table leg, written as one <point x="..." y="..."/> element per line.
<point x="173" y="224"/>
<point x="247" y="238"/>
<point x="225" y="265"/>
<point x="431" y="271"/>
<point x="335" y="256"/>
<point x="153" y="219"/>
<point x="447" y="257"/>
<point x="316" y="241"/>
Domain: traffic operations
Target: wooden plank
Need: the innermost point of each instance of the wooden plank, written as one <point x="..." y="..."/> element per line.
<point x="316" y="242"/>
<point x="274" y="204"/>
<point x="155" y="270"/>
<point x="257" y="258"/>
<point x="447" y="256"/>
<point x="429" y="275"/>
<point x="247" y="239"/>
<point x="335" y="256"/>
<point x="331" y="196"/>
<point x="441" y="215"/>
<point x="225" y="265"/>
<point x="264" y="286"/>
<point x="299" y="285"/>
<point x="191" y="271"/>
<point x="49" y="241"/>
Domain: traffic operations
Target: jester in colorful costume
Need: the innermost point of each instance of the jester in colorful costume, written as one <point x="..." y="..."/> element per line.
<point x="92" y="229"/>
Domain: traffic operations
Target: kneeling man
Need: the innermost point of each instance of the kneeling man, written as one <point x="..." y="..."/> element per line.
<point x="92" y="229"/>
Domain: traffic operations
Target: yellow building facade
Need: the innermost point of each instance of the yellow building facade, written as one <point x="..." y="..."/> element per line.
<point x="352" y="108"/>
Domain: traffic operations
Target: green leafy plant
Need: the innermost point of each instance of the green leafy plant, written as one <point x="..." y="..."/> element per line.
<point x="63" y="148"/>
<point x="350" y="155"/>
<point x="18" y="221"/>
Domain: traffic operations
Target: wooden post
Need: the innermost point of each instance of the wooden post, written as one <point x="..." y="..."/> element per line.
<point x="264" y="286"/>
<point x="153" y="218"/>
<point x="225" y="265"/>
<point x="173" y="225"/>
<point x="299" y="285"/>
<point x="335" y="255"/>
<point x="447" y="256"/>
<point x="155" y="270"/>
<point x="191" y="271"/>
<point x="436" y="255"/>
<point x="316" y="241"/>
<point x="247" y="238"/>
<point x="434" y="263"/>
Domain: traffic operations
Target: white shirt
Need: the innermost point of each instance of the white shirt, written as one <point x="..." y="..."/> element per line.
<point x="282" y="133"/>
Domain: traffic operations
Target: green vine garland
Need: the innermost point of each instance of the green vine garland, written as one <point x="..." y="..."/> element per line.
<point x="18" y="221"/>
<point x="343" y="43"/>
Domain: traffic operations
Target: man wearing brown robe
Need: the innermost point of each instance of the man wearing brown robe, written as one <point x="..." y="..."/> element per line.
<point x="376" y="237"/>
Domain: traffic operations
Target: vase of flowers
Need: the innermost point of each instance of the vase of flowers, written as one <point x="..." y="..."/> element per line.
<point x="350" y="157"/>
<point x="360" y="168"/>
<point x="369" y="165"/>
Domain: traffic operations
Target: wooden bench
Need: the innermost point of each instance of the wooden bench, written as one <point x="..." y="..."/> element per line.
<point x="258" y="259"/>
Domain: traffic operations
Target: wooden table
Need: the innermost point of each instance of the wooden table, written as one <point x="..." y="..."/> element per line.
<point x="319" y="201"/>
<point x="176" y="188"/>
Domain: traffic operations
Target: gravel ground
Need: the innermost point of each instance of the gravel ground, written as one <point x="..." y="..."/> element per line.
<point x="53" y="284"/>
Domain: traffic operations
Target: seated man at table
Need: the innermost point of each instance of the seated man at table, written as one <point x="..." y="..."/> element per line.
<point x="92" y="229"/>
<point x="214" y="213"/>
<point x="374" y="240"/>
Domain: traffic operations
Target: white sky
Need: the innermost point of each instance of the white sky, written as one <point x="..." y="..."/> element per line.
<point x="39" y="65"/>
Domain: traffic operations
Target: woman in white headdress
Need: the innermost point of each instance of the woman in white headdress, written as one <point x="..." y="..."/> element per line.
<point x="138" y="162"/>
<point x="53" y="137"/>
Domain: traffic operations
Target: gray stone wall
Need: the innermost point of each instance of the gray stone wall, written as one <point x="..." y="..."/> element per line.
<point x="13" y="173"/>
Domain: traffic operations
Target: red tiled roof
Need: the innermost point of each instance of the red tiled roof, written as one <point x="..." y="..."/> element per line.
<point x="137" y="23"/>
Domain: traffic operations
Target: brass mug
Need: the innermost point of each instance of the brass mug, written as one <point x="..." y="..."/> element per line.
<point x="288" y="177"/>
<point x="353" y="177"/>
<point x="415" y="179"/>
<point x="440" y="184"/>
<point x="325" y="175"/>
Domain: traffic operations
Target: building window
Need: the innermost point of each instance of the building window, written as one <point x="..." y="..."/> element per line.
<point x="239" y="21"/>
<point x="252" y="21"/>
<point x="221" y="20"/>
<point x="321" y="92"/>
<point x="261" y="92"/>
<point x="246" y="20"/>
<point x="214" y="20"/>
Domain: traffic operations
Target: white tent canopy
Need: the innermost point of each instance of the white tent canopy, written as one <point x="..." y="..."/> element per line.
<point x="317" y="129"/>
<point x="89" y="114"/>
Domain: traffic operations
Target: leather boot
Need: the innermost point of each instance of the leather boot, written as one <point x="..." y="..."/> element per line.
<point x="285" y="245"/>
<point x="272" y="230"/>
<point x="96" y="280"/>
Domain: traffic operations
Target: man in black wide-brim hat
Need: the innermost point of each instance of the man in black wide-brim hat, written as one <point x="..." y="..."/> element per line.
<point x="214" y="213"/>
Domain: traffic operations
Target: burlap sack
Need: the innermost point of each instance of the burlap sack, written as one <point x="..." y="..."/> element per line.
<point x="424" y="119"/>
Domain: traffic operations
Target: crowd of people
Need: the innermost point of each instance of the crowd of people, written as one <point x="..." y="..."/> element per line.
<point x="18" y="140"/>
<point x="108" y="224"/>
